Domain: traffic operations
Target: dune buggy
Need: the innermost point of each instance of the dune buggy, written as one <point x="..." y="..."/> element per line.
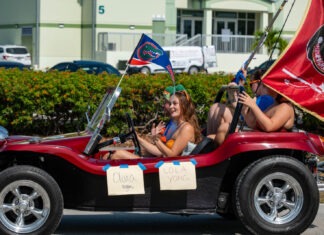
<point x="265" y="179"/>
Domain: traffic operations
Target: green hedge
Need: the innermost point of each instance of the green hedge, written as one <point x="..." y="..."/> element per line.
<point x="47" y="103"/>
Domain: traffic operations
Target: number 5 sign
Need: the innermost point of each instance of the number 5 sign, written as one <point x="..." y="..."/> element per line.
<point x="101" y="9"/>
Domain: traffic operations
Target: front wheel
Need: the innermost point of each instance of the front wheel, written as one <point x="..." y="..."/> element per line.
<point x="193" y="70"/>
<point x="31" y="202"/>
<point x="276" y="195"/>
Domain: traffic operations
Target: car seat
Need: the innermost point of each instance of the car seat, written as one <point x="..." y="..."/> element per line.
<point x="204" y="146"/>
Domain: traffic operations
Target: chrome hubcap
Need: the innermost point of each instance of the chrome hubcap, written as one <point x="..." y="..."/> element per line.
<point x="278" y="198"/>
<point x="24" y="206"/>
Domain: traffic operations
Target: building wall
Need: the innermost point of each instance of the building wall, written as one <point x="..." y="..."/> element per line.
<point x="68" y="29"/>
<point x="60" y="31"/>
<point x="123" y="13"/>
<point x="14" y="16"/>
<point x="295" y="18"/>
<point x="88" y="32"/>
<point x="17" y="12"/>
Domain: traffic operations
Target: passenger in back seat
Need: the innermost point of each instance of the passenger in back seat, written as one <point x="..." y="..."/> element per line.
<point x="279" y="116"/>
<point x="222" y="113"/>
<point x="220" y="116"/>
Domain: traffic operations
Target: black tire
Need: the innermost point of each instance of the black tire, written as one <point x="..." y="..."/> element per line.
<point x="145" y="70"/>
<point x="193" y="70"/>
<point x="281" y="185"/>
<point x="31" y="195"/>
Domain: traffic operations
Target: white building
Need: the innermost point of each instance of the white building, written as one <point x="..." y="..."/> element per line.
<point x="63" y="30"/>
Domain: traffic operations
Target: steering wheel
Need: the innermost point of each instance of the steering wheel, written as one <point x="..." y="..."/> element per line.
<point x="133" y="134"/>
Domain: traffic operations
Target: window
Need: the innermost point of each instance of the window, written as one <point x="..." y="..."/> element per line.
<point x="244" y="21"/>
<point x="190" y="22"/>
<point x="224" y="14"/>
<point x="26" y="31"/>
<point x="16" y="50"/>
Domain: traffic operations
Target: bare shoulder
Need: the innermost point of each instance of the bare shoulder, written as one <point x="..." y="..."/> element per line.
<point x="280" y="110"/>
<point x="187" y="127"/>
<point x="282" y="106"/>
<point x="286" y="106"/>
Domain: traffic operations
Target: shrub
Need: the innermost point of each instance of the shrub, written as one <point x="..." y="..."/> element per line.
<point x="47" y="103"/>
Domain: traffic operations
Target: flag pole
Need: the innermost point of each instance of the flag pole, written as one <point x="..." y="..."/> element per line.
<point x="264" y="36"/>
<point x="128" y="62"/>
<point x="120" y="80"/>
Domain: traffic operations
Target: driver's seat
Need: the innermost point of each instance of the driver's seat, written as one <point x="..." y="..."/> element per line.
<point x="204" y="146"/>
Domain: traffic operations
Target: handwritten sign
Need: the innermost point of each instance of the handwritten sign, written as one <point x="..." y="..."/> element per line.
<point x="125" y="180"/>
<point x="181" y="176"/>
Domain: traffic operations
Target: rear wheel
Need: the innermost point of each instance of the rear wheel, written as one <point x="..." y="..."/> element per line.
<point x="276" y="195"/>
<point x="193" y="70"/>
<point x="30" y="201"/>
<point x="146" y="70"/>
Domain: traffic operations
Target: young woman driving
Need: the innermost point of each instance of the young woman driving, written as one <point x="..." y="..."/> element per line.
<point x="184" y="139"/>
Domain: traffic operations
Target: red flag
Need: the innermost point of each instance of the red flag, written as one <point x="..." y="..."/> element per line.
<point x="298" y="74"/>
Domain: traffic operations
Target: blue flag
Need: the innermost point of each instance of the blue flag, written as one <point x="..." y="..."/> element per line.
<point x="148" y="51"/>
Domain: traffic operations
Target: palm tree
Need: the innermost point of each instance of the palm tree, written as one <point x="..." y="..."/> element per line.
<point x="272" y="42"/>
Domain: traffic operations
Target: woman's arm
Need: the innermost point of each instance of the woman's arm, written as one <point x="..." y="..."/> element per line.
<point x="150" y="148"/>
<point x="278" y="115"/>
<point x="249" y="116"/>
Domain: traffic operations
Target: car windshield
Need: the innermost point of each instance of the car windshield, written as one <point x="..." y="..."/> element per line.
<point x="91" y="69"/>
<point x="105" y="106"/>
<point x="266" y="64"/>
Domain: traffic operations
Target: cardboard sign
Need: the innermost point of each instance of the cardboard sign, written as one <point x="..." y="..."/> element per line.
<point x="125" y="180"/>
<point x="177" y="176"/>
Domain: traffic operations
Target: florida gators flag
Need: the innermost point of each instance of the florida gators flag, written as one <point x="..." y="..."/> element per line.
<point x="298" y="74"/>
<point x="148" y="51"/>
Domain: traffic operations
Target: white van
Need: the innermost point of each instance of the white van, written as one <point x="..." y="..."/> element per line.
<point x="184" y="59"/>
<point x="15" y="53"/>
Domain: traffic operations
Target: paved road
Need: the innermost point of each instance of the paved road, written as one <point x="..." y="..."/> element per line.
<point x="95" y="223"/>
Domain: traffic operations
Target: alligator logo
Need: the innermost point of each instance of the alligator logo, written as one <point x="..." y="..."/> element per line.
<point x="148" y="52"/>
<point x="315" y="50"/>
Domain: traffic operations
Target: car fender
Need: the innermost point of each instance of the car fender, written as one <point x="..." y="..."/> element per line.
<point x="258" y="141"/>
<point x="80" y="160"/>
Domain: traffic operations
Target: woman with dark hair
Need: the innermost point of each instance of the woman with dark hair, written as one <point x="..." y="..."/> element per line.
<point x="220" y="115"/>
<point x="265" y="112"/>
<point x="279" y="117"/>
<point x="264" y="97"/>
<point x="184" y="139"/>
